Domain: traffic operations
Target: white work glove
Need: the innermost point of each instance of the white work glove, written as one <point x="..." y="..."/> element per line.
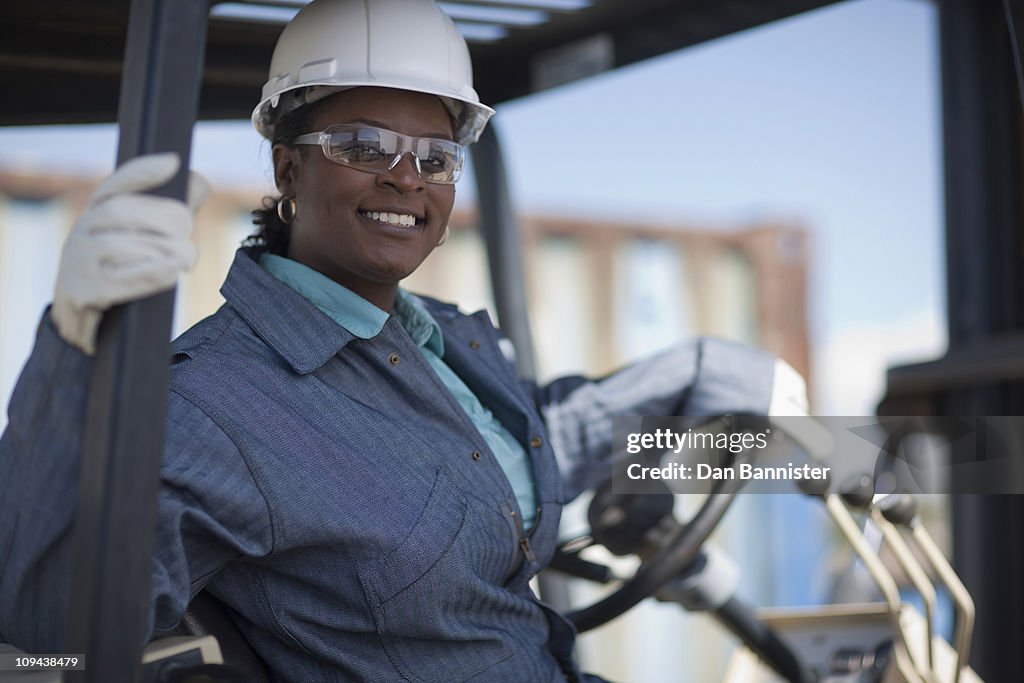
<point x="125" y="246"/>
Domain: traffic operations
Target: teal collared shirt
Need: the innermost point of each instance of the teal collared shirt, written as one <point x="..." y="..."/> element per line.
<point x="364" y="320"/>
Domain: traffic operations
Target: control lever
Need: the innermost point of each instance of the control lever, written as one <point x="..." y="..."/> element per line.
<point x="859" y="495"/>
<point x="901" y="509"/>
<point x="819" y="488"/>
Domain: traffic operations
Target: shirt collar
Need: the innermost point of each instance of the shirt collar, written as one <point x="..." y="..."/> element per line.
<point x="313" y="318"/>
<point x="418" y="322"/>
<point x="340" y="304"/>
<point x="351" y="311"/>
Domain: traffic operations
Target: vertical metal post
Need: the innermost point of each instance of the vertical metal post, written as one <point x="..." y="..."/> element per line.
<point x="505" y="257"/>
<point x="981" y="118"/>
<point x="119" y="483"/>
<point x="504" y="247"/>
<point x="984" y="156"/>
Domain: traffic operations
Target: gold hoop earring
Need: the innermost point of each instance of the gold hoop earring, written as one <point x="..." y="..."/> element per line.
<point x="444" y="237"/>
<point x="286" y="216"/>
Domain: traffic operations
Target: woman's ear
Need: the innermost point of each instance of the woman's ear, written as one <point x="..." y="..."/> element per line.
<point x="286" y="161"/>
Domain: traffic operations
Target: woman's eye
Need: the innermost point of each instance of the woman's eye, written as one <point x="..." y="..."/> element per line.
<point x="366" y="152"/>
<point x="435" y="163"/>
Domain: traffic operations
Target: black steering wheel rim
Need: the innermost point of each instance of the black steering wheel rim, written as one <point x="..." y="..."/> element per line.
<point x="674" y="556"/>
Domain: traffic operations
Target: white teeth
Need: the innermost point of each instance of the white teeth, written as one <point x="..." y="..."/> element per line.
<point x="401" y="219"/>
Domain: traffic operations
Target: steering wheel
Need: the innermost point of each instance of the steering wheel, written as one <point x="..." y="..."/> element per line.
<point x="674" y="555"/>
<point x="680" y="547"/>
<point x="623" y="536"/>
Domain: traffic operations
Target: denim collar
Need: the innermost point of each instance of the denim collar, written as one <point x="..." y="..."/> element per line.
<point x="340" y="304"/>
<point x="351" y="311"/>
<point x="303" y="340"/>
<point x="296" y="329"/>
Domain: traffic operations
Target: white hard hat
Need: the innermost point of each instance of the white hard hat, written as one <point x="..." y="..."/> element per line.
<point x="333" y="45"/>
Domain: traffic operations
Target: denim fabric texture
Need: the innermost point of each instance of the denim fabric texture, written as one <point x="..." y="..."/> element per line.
<point x="363" y="319"/>
<point x="332" y="491"/>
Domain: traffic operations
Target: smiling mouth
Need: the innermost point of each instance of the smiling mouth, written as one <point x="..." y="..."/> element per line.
<point x="398" y="220"/>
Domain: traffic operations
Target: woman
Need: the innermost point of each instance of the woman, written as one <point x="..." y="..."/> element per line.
<point x="357" y="472"/>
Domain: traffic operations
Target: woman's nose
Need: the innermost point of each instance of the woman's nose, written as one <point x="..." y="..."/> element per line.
<point x="403" y="174"/>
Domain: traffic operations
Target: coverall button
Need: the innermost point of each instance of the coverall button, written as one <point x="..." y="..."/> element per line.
<point x="476" y="455"/>
<point x="474" y="345"/>
<point x="536" y="442"/>
<point x="393" y="359"/>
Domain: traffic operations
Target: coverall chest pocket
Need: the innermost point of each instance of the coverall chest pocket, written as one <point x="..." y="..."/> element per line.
<point x="429" y="599"/>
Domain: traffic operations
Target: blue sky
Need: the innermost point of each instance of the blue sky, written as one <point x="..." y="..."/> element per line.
<point x="829" y="119"/>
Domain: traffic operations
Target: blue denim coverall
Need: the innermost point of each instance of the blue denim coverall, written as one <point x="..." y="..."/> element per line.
<point x="333" y="493"/>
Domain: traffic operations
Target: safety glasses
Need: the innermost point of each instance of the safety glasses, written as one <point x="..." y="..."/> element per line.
<point x="377" y="150"/>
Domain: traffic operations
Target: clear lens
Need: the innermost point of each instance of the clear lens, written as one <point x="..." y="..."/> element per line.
<point x="374" y="149"/>
<point x="440" y="160"/>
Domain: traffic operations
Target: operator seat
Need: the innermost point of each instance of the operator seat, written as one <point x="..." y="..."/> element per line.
<point x="208" y="616"/>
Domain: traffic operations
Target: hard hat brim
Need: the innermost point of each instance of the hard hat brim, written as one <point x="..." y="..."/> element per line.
<point x="470" y="117"/>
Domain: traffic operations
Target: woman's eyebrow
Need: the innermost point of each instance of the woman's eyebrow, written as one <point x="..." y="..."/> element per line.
<point x="378" y="124"/>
